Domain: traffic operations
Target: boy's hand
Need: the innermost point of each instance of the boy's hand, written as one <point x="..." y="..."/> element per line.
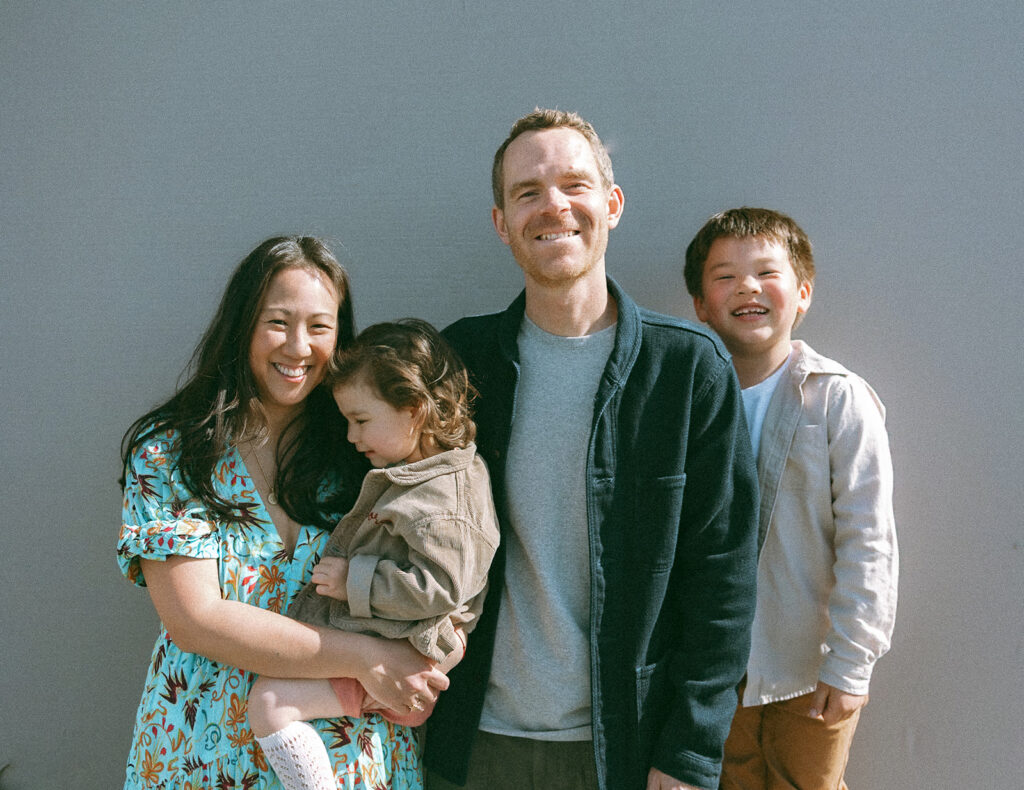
<point x="831" y="705"/>
<point x="330" y="576"/>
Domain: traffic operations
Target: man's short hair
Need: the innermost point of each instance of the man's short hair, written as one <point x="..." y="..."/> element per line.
<point x="739" y="223"/>
<point x="549" y="119"/>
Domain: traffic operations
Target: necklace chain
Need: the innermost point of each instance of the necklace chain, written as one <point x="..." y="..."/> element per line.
<point x="272" y="495"/>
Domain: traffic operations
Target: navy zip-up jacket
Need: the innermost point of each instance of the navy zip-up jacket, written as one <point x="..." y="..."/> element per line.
<point x="672" y="512"/>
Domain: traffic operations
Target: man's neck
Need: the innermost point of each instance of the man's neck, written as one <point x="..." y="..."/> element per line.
<point x="582" y="308"/>
<point x="754" y="368"/>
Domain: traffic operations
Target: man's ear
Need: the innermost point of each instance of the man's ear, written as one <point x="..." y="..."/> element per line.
<point x="616" y="202"/>
<point x="498" y="218"/>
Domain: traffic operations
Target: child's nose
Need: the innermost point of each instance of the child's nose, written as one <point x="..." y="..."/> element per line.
<point x="749" y="284"/>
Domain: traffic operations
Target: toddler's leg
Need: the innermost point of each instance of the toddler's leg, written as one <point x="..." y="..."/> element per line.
<point x="299" y="757"/>
<point x="278" y="711"/>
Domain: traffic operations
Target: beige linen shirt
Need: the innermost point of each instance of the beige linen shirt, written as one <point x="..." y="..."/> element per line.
<point x="419" y="541"/>
<point x="827" y="572"/>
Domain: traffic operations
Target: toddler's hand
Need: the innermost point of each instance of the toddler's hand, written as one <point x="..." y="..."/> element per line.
<point x="330" y="576"/>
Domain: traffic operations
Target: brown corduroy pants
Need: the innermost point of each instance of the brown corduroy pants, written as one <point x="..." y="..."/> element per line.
<point x="779" y="747"/>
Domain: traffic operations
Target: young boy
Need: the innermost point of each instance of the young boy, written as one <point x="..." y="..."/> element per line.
<point x="826" y="580"/>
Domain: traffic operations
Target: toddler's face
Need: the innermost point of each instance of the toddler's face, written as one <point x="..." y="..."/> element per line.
<point x="751" y="294"/>
<point x="384" y="434"/>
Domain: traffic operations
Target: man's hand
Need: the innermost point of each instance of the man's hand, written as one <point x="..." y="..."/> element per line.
<point x="831" y="705"/>
<point x="330" y="576"/>
<point x="656" y="780"/>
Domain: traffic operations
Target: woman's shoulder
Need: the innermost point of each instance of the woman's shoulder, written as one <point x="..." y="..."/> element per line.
<point x="153" y="442"/>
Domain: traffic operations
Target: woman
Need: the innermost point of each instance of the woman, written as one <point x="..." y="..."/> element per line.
<point x="231" y="488"/>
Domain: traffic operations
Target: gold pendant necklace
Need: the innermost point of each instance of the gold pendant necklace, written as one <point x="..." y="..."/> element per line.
<point x="272" y="495"/>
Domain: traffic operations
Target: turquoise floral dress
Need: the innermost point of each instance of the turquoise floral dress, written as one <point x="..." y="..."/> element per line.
<point x="192" y="729"/>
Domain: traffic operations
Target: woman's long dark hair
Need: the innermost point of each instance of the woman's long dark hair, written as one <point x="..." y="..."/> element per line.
<point x="219" y="403"/>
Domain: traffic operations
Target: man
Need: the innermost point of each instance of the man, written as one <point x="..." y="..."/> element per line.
<point x="616" y="626"/>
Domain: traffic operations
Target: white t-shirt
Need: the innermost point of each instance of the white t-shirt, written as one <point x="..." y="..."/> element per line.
<point x="755" y="403"/>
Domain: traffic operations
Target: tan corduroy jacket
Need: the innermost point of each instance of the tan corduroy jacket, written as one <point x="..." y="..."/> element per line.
<point x="419" y="541"/>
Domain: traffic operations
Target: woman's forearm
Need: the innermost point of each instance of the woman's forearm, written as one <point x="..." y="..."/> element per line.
<point x="186" y="594"/>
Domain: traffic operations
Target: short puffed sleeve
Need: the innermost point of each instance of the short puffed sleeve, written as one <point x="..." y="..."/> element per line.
<point x="159" y="516"/>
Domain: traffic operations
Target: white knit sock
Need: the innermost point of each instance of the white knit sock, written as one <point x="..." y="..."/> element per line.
<point x="299" y="757"/>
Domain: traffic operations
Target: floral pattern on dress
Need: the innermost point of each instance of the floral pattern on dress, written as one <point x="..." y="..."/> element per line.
<point x="192" y="729"/>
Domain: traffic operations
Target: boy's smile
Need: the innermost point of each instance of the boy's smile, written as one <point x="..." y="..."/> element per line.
<point x="751" y="296"/>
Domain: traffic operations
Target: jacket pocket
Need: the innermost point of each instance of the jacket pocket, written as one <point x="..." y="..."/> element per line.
<point x="807" y="464"/>
<point x="658" y="508"/>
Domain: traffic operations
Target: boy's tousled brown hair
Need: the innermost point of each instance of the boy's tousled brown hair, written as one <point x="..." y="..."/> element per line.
<point x="411" y="365"/>
<point x="746" y="222"/>
<point x="549" y="119"/>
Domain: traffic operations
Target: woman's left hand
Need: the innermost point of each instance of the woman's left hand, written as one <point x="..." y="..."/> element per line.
<point x="400" y="677"/>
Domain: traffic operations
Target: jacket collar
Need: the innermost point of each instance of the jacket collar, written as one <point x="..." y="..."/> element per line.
<point x="807" y="361"/>
<point x="628" y="332"/>
<point x="418" y="472"/>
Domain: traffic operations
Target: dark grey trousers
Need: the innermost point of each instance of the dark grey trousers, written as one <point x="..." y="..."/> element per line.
<point x="500" y="762"/>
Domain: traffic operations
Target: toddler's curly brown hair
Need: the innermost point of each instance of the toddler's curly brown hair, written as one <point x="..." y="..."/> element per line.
<point x="410" y="364"/>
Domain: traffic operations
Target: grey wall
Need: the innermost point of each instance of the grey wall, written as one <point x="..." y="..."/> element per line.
<point x="146" y="147"/>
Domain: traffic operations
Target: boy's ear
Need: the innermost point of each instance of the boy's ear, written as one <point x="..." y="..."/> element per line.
<point x="698" y="308"/>
<point x="804" y="293"/>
